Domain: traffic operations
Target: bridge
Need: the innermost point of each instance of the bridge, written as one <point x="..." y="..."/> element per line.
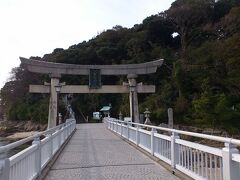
<point x="119" y="150"/>
<point x="114" y="149"/>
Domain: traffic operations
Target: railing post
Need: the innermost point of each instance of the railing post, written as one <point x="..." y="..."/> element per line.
<point x="51" y="144"/>
<point x="62" y="135"/>
<point x="152" y="140"/>
<point x="121" y="129"/>
<point x="38" y="162"/>
<point x="58" y="137"/>
<point x="230" y="168"/>
<point x="63" y="132"/>
<point x="117" y="127"/>
<point x="4" y="166"/>
<point x="174" y="150"/>
<point x="128" y="131"/>
<point x="74" y="125"/>
<point x="137" y="135"/>
<point x="68" y="130"/>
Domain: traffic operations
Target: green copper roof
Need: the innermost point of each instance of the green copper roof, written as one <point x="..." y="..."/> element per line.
<point x="105" y="108"/>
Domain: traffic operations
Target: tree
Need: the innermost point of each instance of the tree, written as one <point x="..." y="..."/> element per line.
<point x="199" y="78"/>
<point x="188" y="16"/>
<point x="231" y="22"/>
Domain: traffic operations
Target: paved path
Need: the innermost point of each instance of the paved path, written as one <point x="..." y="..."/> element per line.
<point x="96" y="153"/>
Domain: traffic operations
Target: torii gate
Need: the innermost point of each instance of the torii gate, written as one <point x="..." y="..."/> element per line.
<point x="55" y="70"/>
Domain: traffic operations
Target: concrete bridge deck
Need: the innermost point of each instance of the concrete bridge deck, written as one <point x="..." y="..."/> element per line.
<point x="96" y="153"/>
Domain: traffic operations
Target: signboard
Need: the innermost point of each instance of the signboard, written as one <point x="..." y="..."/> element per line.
<point x="95" y="79"/>
<point x="127" y="119"/>
<point x="96" y="115"/>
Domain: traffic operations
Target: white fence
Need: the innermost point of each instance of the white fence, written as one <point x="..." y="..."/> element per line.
<point x="29" y="163"/>
<point x="193" y="159"/>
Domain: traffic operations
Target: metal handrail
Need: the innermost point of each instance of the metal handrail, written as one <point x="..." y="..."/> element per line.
<point x="193" y="159"/>
<point x="13" y="145"/>
<point x="193" y="134"/>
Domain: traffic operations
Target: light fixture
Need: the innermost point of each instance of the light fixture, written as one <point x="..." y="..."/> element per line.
<point x="58" y="88"/>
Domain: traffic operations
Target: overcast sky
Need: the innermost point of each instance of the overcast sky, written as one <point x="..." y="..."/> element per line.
<point x="37" y="27"/>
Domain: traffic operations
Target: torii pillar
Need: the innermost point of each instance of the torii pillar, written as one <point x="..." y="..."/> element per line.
<point x="133" y="97"/>
<point x="53" y="102"/>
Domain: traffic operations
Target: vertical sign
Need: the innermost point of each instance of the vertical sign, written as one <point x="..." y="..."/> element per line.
<point x="95" y="79"/>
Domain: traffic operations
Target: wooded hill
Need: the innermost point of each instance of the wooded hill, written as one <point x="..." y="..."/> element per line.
<point x="200" y="77"/>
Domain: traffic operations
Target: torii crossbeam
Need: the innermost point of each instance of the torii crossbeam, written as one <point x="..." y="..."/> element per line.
<point x="55" y="70"/>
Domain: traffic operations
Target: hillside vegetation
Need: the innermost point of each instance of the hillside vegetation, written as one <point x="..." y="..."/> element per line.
<point x="200" y="78"/>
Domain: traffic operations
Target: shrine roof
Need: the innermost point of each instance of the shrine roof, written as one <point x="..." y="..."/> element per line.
<point x="105" y="108"/>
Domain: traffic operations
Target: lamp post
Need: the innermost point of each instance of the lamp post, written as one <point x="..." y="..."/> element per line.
<point x="58" y="88"/>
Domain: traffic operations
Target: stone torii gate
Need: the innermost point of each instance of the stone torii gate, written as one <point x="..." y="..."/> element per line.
<point x="55" y="70"/>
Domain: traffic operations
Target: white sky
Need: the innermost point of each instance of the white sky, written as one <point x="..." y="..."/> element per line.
<point x="37" y="27"/>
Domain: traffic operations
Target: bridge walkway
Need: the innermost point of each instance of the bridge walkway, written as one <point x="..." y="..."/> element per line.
<point x="96" y="153"/>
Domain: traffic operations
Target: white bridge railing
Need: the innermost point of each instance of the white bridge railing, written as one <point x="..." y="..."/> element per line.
<point x="29" y="163"/>
<point x="193" y="159"/>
